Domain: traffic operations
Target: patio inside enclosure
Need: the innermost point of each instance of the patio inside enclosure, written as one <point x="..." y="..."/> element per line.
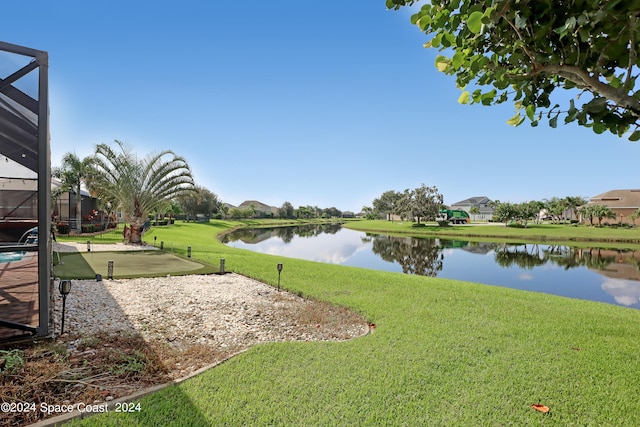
<point x="25" y="194"/>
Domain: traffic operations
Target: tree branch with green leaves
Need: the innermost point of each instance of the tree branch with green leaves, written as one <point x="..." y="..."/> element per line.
<point x="524" y="51"/>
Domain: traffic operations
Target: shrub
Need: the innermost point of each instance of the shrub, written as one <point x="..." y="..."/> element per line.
<point x="63" y="227"/>
<point x="91" y="228"/>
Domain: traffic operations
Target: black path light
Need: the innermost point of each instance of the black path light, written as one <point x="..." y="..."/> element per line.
<point x="88" y="245"/>
<point x="154" y="240"/>
<point x="279" y="271"/>
<point x="189" y="251"/>
<point x="64" y="286"/>
<point x="110" y="269"/>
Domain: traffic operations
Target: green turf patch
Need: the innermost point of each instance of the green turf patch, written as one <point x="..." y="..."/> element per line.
<point x="86" y="265"/>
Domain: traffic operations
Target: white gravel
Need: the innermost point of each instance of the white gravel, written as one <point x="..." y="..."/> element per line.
<point x="227" y="311"/>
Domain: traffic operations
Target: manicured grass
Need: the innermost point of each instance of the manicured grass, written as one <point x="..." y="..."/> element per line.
<point x="557" y="233"/>
<point x="442" y="352"/>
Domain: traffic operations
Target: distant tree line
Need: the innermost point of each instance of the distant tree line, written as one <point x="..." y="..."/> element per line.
<point x="424" y="203"/>
<point x="287" y="211"/>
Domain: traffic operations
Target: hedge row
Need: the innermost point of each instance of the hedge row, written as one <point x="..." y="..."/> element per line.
<point x="63" y="227"/>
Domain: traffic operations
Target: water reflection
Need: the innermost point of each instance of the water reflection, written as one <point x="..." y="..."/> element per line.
<point x="320" y="242"/>
<point x="561" y="270"/>
<point x="625" y="292"/>
<point x="415" y="256"/>
<point x="285" y="234"/>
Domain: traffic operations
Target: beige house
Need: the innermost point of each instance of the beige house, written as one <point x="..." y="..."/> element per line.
<point x="622" y="202"/>
<point x="262" y="210"/>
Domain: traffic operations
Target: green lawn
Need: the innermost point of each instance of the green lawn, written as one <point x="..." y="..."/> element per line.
<point x="557" y="233"/>
<point x="443" y="352"/>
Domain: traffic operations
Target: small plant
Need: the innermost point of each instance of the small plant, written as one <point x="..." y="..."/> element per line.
<point x="59" y="351"/>
<point x="88" y="342"/>
<point x="11" y="361"/>
<point x="130" y="363"/>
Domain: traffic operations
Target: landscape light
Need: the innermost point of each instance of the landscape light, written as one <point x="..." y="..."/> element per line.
<point x="64" y="286"/>
<point x="88" y="245"/>
<point x="279" y="271"/>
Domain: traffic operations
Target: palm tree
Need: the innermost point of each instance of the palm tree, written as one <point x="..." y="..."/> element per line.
<point x="573" y="203"/>
<point x="138" y="186"/>
<point x="555" y="208"/>
<point x="635" y="215"/>
<point x="72" y="173"/>
<point x="601" y="211"/>
<point x="474" y="211"/>
<point x="587" y="211"/>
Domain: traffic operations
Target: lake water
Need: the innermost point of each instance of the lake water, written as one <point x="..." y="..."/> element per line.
<point x="603" y="275"/>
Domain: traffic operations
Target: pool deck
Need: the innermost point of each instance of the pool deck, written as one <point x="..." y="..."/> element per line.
<point x="19" y="294"/>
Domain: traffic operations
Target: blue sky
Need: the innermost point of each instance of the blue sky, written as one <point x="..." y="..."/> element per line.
<point x="315" y="103"/>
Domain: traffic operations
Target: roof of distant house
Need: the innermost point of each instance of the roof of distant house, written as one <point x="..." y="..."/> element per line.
<point x="618" y="198"/>
<point x="478" y="200"/>
<point x="256" y="204"/>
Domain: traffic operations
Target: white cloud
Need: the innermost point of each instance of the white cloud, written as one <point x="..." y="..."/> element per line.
<point x="625" y="292"/>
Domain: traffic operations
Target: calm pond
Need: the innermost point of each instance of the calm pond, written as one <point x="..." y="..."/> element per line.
<point x="605" y="275"/>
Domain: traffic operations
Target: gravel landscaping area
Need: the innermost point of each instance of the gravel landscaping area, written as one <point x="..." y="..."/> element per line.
<point x="221" y="310"/>
<point x="227" y="312"/>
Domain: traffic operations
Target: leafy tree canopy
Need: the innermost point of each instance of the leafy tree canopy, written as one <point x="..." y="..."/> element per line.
<point x="386" y="203"/>
<point x="422" y="202"/>
<point x="521" y="51"/>
<point x="200" y="201"/>
<point x="286" y="210"/>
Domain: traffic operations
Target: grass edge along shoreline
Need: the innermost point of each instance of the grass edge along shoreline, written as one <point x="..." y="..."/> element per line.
<point x="444" y="352"/>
